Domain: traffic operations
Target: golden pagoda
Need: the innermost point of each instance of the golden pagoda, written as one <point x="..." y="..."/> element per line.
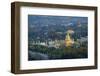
<point x="68" y="40"/>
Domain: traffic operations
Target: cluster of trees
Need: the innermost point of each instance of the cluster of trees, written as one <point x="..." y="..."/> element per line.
<point x="60" y="53"/>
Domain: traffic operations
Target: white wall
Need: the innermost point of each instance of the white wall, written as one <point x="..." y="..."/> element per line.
<point x="5" y="42"/>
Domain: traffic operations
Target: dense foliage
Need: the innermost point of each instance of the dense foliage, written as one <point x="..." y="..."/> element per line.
<point x="59" y="53"/>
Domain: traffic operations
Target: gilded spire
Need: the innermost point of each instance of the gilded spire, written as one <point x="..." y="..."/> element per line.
<point x="68" y="36"/>
<point x="68" y="40"/>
